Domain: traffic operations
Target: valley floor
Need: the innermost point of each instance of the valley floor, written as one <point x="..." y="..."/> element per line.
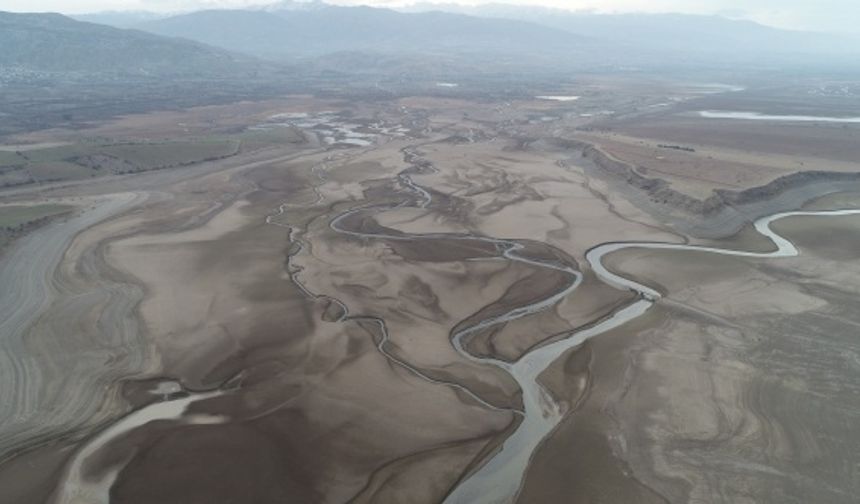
<point x="339" y="311"/>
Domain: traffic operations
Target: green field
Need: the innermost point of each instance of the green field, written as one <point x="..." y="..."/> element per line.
<point x="54" y="153"/>
<point x="57" y="170"/>
<point x="10" y="159"/>
<point x="255" y="139"/>
<point x="93" y="159"/>
<point x="15" y="216"/>
<point x="162" y="155"/>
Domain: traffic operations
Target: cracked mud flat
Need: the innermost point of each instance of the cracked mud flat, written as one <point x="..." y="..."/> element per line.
<point x="421" y="320"/>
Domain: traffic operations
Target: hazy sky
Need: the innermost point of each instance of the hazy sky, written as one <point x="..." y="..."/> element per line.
<point x="825" y="15"/>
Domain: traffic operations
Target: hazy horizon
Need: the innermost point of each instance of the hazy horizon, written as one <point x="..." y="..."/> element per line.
<point x="838" y="16"/>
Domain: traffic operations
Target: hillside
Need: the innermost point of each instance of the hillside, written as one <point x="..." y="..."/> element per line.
<point x="57" y="44"/>
<point x="56" y="71"/>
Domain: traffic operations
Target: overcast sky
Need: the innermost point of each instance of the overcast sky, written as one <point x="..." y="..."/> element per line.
<point x="824" y="15"/>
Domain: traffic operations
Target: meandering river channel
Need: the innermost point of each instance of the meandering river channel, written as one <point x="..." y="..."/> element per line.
<point x="499" y="479"/>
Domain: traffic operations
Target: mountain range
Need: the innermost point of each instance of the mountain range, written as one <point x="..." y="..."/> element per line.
<point x="497" y="39"/>
<point x="670" y="32"/>
<point x="574" y="40"/>
<point x="278" y="33"/>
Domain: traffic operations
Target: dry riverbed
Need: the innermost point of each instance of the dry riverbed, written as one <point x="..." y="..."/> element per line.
<point x="392" y="319"/>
